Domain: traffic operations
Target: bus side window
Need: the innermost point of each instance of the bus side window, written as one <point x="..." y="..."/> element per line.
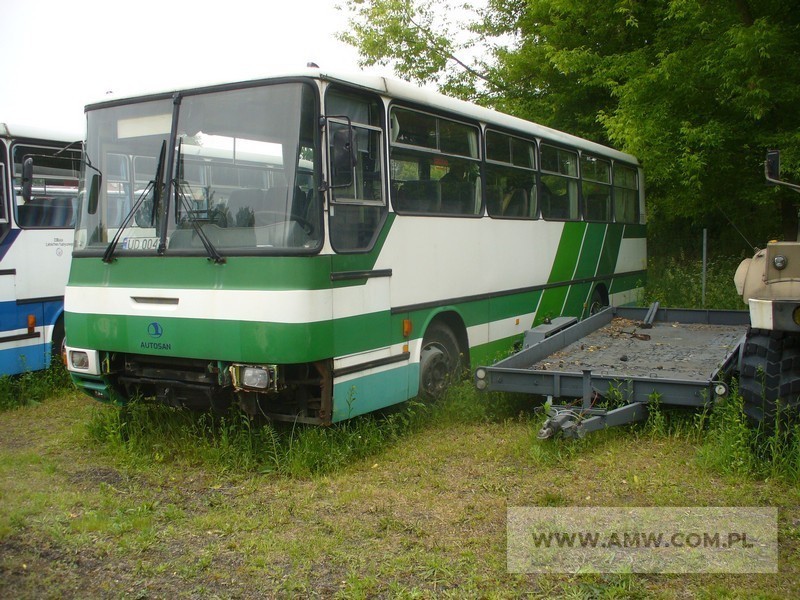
<point x="559" y="183"/>
<point x="54" y="188"/>
<point x="511" y="176"/>
<point x="419" y="196"/>
<point x="596" y="188"/>
<point x="626" y="194"/>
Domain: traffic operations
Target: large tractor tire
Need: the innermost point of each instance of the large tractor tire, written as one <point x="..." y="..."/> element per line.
<point x="769" y="380"/>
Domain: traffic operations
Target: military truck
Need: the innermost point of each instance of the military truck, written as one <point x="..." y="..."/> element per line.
<point x="769" y="283"/>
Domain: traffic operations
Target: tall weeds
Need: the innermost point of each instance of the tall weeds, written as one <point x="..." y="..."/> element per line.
<point x="145" y="433"/>
<point x="733" y="446"/>
<point x="677" y="282"/>
<point x="33" y="387"/>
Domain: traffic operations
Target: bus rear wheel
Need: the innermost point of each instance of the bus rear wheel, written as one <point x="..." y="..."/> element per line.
<point x="769" y="380"/>
<point x="598" y="301"/>
<point x="440" y="361"/>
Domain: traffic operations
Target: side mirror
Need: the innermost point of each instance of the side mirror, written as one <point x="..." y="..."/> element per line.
<point x="344" y="154"/>
<point x="94" y="193"/>
<point x="772" y="165"/>
<point x="27" y="178"/>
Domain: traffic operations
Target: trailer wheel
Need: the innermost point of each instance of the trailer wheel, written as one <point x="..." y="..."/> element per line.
<point x="439" y="361"/>
<point x="769" y="380"/>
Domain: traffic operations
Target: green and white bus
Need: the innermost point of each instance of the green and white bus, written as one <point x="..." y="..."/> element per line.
<point x="314" y="246"/>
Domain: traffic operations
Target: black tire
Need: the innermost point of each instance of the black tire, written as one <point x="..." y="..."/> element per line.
<point x="769" y="380"/>
<point x="440" y="361"/>
<point x="598" y="302"/>
<point x="57" y="341"/>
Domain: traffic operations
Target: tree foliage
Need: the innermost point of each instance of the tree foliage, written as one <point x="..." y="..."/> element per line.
<point x="697" y="89"/>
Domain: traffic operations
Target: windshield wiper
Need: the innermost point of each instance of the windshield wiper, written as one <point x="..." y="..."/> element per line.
<point x="155" y="186"/>
<point x="213" y="253"/>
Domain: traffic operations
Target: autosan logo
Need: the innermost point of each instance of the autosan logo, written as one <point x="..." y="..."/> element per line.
<point x="155" y="331"/>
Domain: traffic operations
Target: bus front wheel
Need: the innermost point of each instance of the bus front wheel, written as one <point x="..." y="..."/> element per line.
<point x="439" y="361"/>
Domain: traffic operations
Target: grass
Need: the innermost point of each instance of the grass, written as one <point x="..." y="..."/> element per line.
<point x="33" y="387"/>
<point x="176" y="505"/>
<point x="146" y="433"/>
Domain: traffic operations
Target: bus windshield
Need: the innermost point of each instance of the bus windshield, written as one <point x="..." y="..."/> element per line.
<point x="241" y="174"/>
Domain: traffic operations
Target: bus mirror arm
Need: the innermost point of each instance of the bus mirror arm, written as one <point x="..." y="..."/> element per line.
<point x="772" y="170"/>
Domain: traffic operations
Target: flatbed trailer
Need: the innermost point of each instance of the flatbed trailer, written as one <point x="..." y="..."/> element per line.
<point x="630" y="356"/>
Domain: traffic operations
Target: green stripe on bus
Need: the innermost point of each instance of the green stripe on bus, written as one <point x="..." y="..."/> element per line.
<point x="628" y="282"/>
<point x="635" y="231"/>
<point x="550" y="306"/>
<point x="237" y="273"/>
<point x="245" y="341"/>
<point x="610" y="253"/>
<point x="512" y="306"/>
<point x="598" y="257"/>
<point x="490" y="353"/>
<point x="568" y="251"/>
<point x="590" y="250"/>
<point x="192" y="272"/>
<point x="567" y="256"/>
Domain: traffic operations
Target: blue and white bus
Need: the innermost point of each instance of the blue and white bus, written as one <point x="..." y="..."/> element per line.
<point x="36" y="236"/>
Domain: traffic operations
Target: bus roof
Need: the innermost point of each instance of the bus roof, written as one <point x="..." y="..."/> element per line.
<point x="11" y="129"/>
<point x="409" y="92"/>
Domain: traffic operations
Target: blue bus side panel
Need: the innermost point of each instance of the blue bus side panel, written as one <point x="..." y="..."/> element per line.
<point x="20" y="356"/>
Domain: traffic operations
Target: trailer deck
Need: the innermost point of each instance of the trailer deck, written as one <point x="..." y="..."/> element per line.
<point x="680" y="356"/>
<point x="622" y="349"/>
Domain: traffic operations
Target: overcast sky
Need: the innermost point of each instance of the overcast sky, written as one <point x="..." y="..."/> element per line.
<point x="58" y="55"/>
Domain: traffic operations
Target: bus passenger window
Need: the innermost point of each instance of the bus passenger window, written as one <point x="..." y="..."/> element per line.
<point x="626" y="194"/>
<point x="459" y="188"/>
<point x="434" y="165"/>
<point x="510" y="177"/>
<point x="596" y="188"/>
<point x="559" y="184"/>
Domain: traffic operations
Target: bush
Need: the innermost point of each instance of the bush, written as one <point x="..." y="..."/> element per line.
<point x="677" y="282"/>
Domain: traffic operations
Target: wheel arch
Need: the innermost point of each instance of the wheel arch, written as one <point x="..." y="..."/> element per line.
<point x="450" y="318"/>
<point x="601" y="288"/>
<point x="58" y="335"/>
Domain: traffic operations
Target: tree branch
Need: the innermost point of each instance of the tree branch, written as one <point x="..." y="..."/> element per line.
<point x="437" y="48"/>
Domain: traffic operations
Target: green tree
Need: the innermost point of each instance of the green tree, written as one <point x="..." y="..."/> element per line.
<point x="697" y="89"/>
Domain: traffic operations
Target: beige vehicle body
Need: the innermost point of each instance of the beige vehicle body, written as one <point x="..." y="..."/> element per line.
<point x="769" y="284"/>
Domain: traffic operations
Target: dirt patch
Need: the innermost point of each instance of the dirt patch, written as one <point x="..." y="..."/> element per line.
<point x="95" y="476"/>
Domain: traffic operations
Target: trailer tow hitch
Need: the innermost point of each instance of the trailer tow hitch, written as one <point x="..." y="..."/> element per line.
<point x="576" y="421"/>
